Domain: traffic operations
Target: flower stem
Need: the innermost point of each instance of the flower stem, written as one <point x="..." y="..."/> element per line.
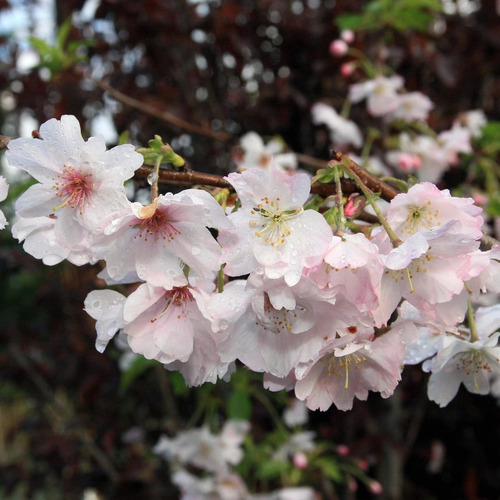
<point x="371" y="199"/>
<point x="472" y="322"/>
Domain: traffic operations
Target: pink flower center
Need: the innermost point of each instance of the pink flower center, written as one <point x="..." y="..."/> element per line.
<point x="179" y="297"/>
<point x="73" y="187"/>
<point x="159" y="226"/>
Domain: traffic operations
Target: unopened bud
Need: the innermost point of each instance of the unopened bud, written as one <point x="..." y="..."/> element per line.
<point x="338" y="48"/>
<point x="300" y="460"/>
<point x="354" y="205"/>
<point x="375" y="487"/>
<point x="347" y="36"/>
<point x="343" y="450"/>
<point x="347" y="69"/>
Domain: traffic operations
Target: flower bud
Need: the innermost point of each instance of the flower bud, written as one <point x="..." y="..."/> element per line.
<point x="338" y="48"/>
<point x="347" y="36"/>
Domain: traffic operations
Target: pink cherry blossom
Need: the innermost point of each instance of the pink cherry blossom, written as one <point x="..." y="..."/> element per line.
<point x="271" y="229"/>
<point x="42" y="241"/>
<point x="353" y="268"/>
<point x="430" y="267"/>
<point x="350" y="368"/>
<point x="278" y="325"/>
<point x="165" y="324"/>
<point x="158" y="239"/>
<point x="434" y="158"/>
<point x="426" y="207"/>
<point x="79" y="181"/>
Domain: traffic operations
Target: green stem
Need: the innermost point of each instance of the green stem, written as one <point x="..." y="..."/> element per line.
<point x="155" y="175"/>
<point x="271" y="409"/>
<point x="472" y="322"/>
<point x="371" y="199"/>
<point x="340" y="201"/>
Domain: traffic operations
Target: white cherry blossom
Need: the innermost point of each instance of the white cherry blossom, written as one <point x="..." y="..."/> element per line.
<point x="79" y="182"/>
<point x="4" y="188"/>
<point x="271" y="229"/>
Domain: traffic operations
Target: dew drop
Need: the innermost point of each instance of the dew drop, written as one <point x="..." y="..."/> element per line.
<point x="223" y="324"/>
<point x="152" y="178"/>
<point x="96" y="304"/>
<point x="196" y="250"/>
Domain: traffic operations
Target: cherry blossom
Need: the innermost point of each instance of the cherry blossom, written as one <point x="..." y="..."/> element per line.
<point x="42" y="241"/>
<point x="350" y="368"/>
<point x="473" y="120"/>
<point x="472" y="363"/>
<point x="105" y="306"/>
<point x="78" y="181"/>
<point x="426" y="207"/>
<point x="271" y="229"/>
<point x="158" y="239"/>
<point x="4" y="188"/>
<point x="434" y="158"/>
<point x="257" y="154"/>
<point x="162" y="323"/>
<point x="203" y="449"/>
<point x="380" y="94"/>
<point x="342" y="131"/>
<point x="412" y="106"/>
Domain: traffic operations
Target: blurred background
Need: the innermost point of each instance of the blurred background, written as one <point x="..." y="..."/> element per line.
<point x="201" y="73"/>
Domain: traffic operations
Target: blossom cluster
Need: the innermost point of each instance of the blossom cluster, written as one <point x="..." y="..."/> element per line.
<point x="204" y="464"/>
<point x="328" y="313"/>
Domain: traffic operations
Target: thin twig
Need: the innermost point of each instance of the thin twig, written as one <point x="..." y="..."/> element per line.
<point x="162" y="115"/>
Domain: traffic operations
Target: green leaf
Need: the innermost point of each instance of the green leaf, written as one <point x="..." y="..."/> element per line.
<point x="329" y="467"/>
<point x="63" y="33"/>
<point x="178" y="383"/>
<point x="239" y="405"/>
<point x="138" y="366"/>
<point x="271" y="469"/>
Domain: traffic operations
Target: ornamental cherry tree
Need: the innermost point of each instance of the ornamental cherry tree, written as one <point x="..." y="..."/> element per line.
<point x="290" y="289"/>
<point x="326" y="277"/>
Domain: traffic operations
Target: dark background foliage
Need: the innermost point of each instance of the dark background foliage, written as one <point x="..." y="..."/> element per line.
<point x="228" y="67"/>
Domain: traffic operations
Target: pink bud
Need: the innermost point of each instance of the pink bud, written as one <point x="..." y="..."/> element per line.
<point x="479" y="199"/>
<point x="300" y="460"/>
<point x="362" y="464"/>
<point x="352" y="485"/>
<point x="347" y="69"/>
<point x="338" y="48"/>
<point x="354" y="205"/>
<point x="347" y="36"/>
<point x="375" y="487"/>
<point x="343" y="450"/>
<point x="409" y="162"/>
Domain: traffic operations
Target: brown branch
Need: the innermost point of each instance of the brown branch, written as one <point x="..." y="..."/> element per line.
<point x="370" y="181"/>
<point x="162" y="115"/>
<point x="187" y="177"/>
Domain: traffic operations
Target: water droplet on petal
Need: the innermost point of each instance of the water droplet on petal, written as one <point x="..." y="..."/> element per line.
<point x="223" y="324"/>
<point x="196" y="250"/>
